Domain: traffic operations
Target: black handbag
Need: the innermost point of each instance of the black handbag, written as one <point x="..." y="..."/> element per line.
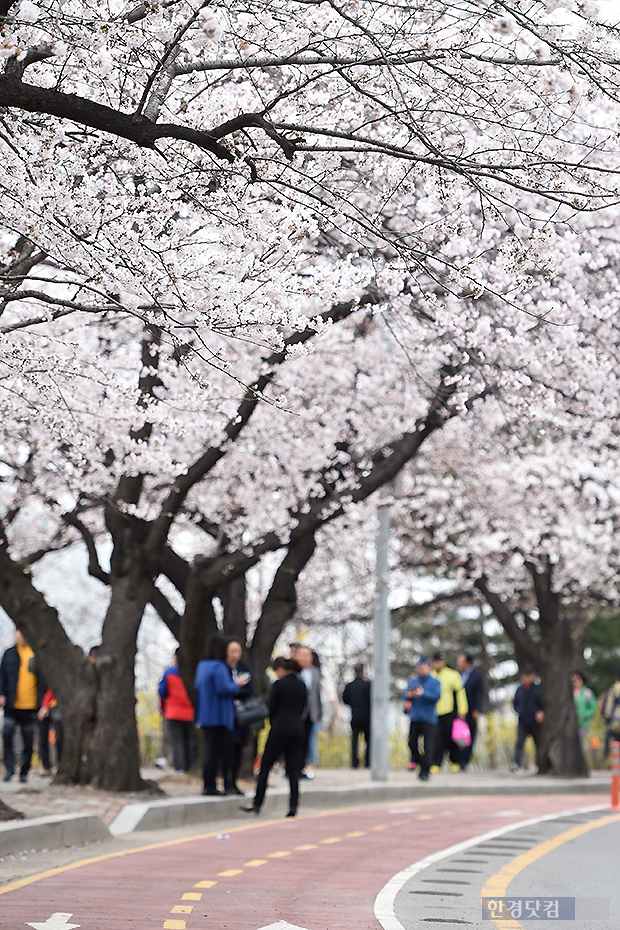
<point x="251" y="712"/>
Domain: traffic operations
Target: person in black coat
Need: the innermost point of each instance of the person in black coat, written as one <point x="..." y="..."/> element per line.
<point x="529" y="709"/>
<point x="474" y="689"/>
<point x="236" y="739"/>
<point x="357" y="695"/>
<point x="288" y="709"/>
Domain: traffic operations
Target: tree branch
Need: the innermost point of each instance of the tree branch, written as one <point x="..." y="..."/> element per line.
<point x="520" y="638"/>
<point x="135" y="128"/>
<point x="347" y="485"/>
<point x="94" y="566"/>
<point x="213" y="454"/>
<point x="166" y="611"/>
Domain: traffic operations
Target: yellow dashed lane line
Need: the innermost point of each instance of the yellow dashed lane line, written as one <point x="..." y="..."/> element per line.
<point x="255" y="863"/>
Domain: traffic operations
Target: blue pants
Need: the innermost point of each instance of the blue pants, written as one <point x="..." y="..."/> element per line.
<point x="25" y="720"/>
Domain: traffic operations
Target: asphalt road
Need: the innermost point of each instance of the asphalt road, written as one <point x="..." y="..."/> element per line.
<point x="322" y="871"/>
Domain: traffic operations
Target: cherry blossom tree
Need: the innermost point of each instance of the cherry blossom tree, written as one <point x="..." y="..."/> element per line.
<point x="232" y="184"/>
<point x="531" y="524"/>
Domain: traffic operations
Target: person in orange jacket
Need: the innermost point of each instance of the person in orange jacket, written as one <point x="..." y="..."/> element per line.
<point x="178" y="712"/>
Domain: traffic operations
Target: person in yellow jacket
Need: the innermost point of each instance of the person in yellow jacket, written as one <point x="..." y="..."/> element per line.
<point x="452" y="703"/>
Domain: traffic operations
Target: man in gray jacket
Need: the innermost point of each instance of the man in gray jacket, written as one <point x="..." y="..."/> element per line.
<point x="311" y="677"/>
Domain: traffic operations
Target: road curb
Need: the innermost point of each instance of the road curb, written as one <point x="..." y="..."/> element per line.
<point x="180" y="812"/>
<point x="50" y="832"/>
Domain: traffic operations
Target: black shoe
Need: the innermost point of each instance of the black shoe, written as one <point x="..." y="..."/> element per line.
<point x="424" y="776"/>
<point x="8" y="776"/>
<point x="292" y="814"/>
<point x="213" y="791"/>
<point x="23" y="777"/>
<point x="249" y="809"/>
<point x="235" y="790"/>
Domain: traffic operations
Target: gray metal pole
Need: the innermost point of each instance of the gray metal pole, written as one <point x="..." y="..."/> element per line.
<point x="379" y="748"/>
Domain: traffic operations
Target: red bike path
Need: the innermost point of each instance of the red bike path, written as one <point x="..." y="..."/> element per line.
<point x="318" y="871"/>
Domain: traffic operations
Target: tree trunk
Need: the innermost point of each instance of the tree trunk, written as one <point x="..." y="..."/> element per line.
<point x="559" y="751"/>
<point x="552" y="655"/>
<point x="7" y="813"/>
<point x="70" y="676"/>
<point x="233" y="601"/>
<point x="114" y="754"/>
<point x="279" y="605"/>
<point x="560" y="747"/>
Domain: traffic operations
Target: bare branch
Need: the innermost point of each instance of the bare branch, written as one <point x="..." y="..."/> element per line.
<point x="212" y="455"/>
<point x="166" y="611"/>
<point x="94" y="566"/>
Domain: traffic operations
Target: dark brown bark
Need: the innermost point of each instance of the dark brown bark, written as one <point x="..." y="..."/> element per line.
<point x="233" y="598"/>
<point x="16" y="94"/>
<point x="114" y="752"/>
<point x="279" y="606"/>
<point x="8" y="813"/>
<point x="553" y="657"/>
<point x="70" y="676"/>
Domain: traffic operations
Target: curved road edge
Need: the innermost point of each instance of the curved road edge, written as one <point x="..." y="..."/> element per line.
<point x="384" y="902"/>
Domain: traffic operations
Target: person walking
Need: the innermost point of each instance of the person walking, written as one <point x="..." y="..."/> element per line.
<point x="610" y="712"/>
<point x="288" y="705"/>
<point x="237" y="738"/>
<point x="474" y="691"/>
<point x="585" y="705"/>
<point x="423" y="691"/>
<point x="178" y="713"/>
<point x="215" y="707"/>
<point x="311" y="677"/>
<point x="21" y="692"/>
<point x="529" y="709"/>
<point x="356" y="695"/>
<point x="452" y="703"/>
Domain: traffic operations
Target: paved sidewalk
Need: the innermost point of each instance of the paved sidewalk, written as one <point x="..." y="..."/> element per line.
<point x="40" y="798"/>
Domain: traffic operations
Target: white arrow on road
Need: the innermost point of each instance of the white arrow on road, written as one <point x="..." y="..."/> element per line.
<point x="282" y="925"/>
<point x="56" y="922"/>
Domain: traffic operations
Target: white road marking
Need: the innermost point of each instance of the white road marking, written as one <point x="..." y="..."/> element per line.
<point x="282" y="925"/>
<point x="386" y="899"/>
<point x="56" y="922"/>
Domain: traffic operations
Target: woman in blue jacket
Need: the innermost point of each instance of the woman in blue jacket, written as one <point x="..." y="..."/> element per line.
<point x="215" y="706"/>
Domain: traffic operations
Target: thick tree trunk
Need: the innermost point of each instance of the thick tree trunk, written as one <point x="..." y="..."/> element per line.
<point x="114" y="753"/>
<point x="197" y="625"/>
<point x="233" y="598"/>
<point x="69" y="675"/>
<point x="553" y="656"/>
<point x="280" y="605"/>
<point x="560" y="747"/>
<point x="559" y="751"/>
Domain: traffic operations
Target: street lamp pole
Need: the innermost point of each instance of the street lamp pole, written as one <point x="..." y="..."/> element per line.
<point x="379" y="747"/>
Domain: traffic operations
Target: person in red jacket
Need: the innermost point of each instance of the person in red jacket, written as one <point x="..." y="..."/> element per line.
<point x="49" y="718"/>
<point x="178" y="711"/>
